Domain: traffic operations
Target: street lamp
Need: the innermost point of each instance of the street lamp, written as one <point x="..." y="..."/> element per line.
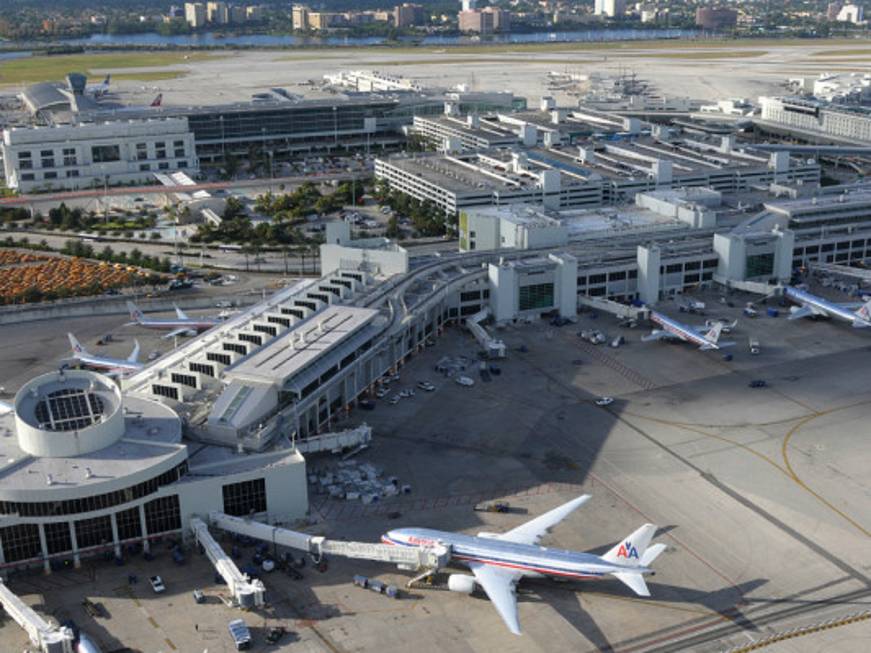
<point x="335" y="127"/>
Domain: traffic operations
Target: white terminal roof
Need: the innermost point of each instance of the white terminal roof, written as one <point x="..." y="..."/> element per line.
<point x="152" y="437"/>
<point x="288" y="355"/>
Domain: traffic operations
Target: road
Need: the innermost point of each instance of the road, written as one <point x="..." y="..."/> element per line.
<point x="62" y="196"/>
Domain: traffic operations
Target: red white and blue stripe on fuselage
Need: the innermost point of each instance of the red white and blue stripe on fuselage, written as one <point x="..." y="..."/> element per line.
<point x="528" y="560"/>
<point x="679" y="330"/>
<point x="169" y="324"/>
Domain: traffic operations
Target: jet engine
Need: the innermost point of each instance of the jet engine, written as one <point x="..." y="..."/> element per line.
<point x="461" y="583"/>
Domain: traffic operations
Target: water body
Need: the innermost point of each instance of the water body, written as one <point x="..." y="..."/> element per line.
<point x="211" y="39"/>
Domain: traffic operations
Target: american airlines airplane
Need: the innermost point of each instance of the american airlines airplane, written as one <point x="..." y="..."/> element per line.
<point x="857" y="314"/>
<point x="110" y="366"/>
<point x="182" y="325"/>
<point x="499" y="560"/>
<point x="705" y="337"/>
<point x="101" y="89"/>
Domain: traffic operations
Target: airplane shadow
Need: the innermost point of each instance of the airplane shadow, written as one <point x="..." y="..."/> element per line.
<point x="567" y="600"/>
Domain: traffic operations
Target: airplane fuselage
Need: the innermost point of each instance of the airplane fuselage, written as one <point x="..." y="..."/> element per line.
<point x="109" y="364"/>
<point x="170" y="324"/>
<point x="680" y="331"/>
<point x="526" y="559"/>
<point x="832" y="310"/>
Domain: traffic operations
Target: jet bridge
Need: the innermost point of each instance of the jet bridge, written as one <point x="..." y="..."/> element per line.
<point x="409" y="558"/>
<point x="494" y="347"/>
<point x="49" y="639"/>
<point x="246" y="592"/>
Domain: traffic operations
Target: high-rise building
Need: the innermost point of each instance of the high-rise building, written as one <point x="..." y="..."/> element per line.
<point x="484" y="21"/>
<point x="406" y="15"/>
<point x="300" y="15"/>
<point x="851" y="14"/>
<point x="833" y="9"/>
<point x="195" y="14"/>
<point x="610" y="8"/>
<point x="237" y="14"/>
<point x="218" y="13"/>
<point x="254" y="13"/>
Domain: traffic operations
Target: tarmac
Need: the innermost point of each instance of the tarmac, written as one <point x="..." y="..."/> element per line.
<point x="761" y="495"/>
<point x="744" y="69"/>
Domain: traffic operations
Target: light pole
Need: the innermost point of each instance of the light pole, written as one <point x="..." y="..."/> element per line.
<point x="335" y="127"/>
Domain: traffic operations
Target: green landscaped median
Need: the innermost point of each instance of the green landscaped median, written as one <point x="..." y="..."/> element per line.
<point x="31" y="70"/>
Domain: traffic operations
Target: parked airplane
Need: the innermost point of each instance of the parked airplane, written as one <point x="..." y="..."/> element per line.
<point x="111" y="366"/>
<point x="182" y="325"/>
<point x="499" y="560"/>
<point x="858" y="314"/>
<point x="705" y="337"/>
<point x="101" y="89"/>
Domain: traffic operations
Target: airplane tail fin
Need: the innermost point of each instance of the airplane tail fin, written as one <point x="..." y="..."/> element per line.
<point x="156" y="102"/>
<point x="135" y="313"/>
<point x="76" y="345"/>
<point x="713" y="335"/>
<point x="631" y="550"/>
<point x="863" y="313"/>
<point x="108" y="79"/>
<point x="180" y="313"/>
<point x="134" y="355"/>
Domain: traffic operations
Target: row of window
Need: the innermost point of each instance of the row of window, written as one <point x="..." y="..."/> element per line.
<point x="21" y="541"/>
<point x="93" y="503"/>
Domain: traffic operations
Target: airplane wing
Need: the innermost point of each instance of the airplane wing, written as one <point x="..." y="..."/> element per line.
<point x="532" y="531"/>
<point x="804" y="311"/>
<point x="656" y="334"/>
<point x="184" y="331"/>
<point x="134" y="355"/>
<point x="499" y="584"/>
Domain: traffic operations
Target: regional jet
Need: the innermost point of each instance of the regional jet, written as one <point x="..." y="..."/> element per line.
<point x="705" y="337"/>
<point x="110" y="366"/>
<point x="857" y="314"/>
<point x="182" y="325"/>
<point x="499" y="560"/>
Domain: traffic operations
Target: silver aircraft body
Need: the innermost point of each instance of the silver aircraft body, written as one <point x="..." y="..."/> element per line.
<point x="181" y="325"/>
<point x="706" y="337"/>
<point x="499" y="560"/>
<point x="858" y="313"/>
<point x="105" y="364"/>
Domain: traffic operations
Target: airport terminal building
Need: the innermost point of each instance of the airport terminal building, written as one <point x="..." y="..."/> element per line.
<point x="89" y="471"/>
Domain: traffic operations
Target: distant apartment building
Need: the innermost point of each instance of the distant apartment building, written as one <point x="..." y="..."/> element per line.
<point x="609" y="8"/>
<point x="851" y="14"/>
<point x="484" y="21"/>
<point x="254" y="13"/>
<point x="218" y="13"/>
<point x="195" y="14"/>
<point x="833" y="9"/>
<point x="299" y="15"/>
<point x="715" y="18"/>
<point x="408" y="15"/>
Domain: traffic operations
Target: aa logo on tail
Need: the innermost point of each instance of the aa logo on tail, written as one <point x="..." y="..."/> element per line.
<point x="626" y="550"/>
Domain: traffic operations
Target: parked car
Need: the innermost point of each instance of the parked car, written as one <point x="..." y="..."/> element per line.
<point x="367" y="404"/>
<point x="465" y="381"/>
<point x="224" y="303"/>
<point x="757" y="383"/>
<point x="157" y="584"/>
<point x="426" y="385"/>
<point x="275" y="634"/>
<point x="604" y="401"/>
<point x="394" y="400"/>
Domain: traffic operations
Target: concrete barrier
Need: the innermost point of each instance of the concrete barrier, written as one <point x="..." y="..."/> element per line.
<point x="114" y="305"/>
